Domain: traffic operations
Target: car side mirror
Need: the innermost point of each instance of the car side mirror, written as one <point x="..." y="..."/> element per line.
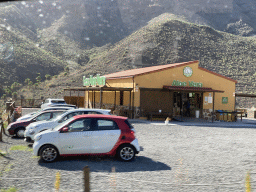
<point x="64" y="130"/>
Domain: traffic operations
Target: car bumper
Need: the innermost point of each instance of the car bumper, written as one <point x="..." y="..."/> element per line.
<point x="135" y="143"/>
<point x="28" y="135"/>
<point x="36" y="147"/>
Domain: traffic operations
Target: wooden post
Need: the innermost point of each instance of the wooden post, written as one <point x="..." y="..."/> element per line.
<point x="101" y="98"/>
<point x="115" y="101"/>
<point x="86" y="171"/>
<point x="93" y="99"/>
<point x="78" y="99"/>
<point x="213" y="94"/>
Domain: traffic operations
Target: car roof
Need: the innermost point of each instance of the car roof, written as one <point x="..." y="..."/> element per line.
<point x="100" y="116"/>
<point x="84" y="109"/>
<point x="54" y="111"/>
<point x="56" y="99"/>
<point x="88" y="109"/>
<point x="57" y="107"/>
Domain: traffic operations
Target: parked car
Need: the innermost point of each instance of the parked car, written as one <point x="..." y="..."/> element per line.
<point x="27" y="116"/>
<point x="18" y="128"/>
<point x="52" y="102"/>
<point x="88" y="135"/>
<point x="37" y="127"/>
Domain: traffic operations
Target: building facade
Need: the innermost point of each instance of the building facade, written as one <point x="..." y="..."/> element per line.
<point x="181" y="89"/>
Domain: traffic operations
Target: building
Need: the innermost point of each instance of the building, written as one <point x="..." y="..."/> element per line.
<point x="181" y="89"/>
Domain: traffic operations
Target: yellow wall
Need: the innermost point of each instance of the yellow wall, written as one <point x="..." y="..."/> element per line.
<point x="165" y="77"/>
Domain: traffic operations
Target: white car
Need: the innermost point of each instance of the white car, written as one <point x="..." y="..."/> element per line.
<point x="88" y="135"/>
<point x="51" y="102"/>
<point x="27" y="116"/>
<point x="37" y="127"/>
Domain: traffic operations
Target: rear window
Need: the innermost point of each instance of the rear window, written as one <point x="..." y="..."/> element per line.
<point x="104" y="124"/>
<point x="129" y="124"/>
<point x="59" y="102"/>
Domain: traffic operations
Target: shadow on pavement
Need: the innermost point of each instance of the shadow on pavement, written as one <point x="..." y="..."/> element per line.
<point x="104" y="164"/>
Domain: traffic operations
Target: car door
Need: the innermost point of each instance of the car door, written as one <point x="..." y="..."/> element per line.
<point x="105" y="136"/>
<point x="78" y="138"/>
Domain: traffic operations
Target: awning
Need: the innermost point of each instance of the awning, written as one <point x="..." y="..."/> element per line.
<point x="191" y="89"/>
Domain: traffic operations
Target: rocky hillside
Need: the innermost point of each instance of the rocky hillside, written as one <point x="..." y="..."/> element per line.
<point x="166" y="40"/>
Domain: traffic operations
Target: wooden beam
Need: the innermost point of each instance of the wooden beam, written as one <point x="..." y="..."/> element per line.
<point x="213" y="96"/>
<point x="115" y="101"/>
<point x="101" y="93"/>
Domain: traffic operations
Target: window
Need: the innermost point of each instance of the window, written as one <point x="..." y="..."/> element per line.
<point x="80" y="125"/>
<point x="45" y="116"/>
<point x="93" y="112"/>
<point x="129" y="124"/>
<point x="59" y="102"/>
<point x="54" y="115"/>
<point x="103" y="124"/>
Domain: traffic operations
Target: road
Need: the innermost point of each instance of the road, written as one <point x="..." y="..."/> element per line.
<point x="175" y="158"/>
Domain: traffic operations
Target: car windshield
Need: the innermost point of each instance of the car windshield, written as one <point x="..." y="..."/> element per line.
<point x="63" y="124"/>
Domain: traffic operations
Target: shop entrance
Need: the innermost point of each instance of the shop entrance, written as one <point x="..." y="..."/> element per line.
<point x="187" y="104"/>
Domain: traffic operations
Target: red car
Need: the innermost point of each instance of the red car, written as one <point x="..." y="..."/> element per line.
<point x="18" y="128"/>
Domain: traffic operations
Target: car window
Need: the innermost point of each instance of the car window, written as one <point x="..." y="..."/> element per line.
<point x="55" y="114"/>
<point x="80" y="125"/>
<point x="103" y="124"/>
<point x="68" y="116"/>
<point x="59" y="102"/>
<point x="44" y="116"/>
<point x="92" y="112"/>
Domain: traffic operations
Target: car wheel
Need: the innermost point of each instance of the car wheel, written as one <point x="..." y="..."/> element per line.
<point x="126" y="152"/>
<point x="20" y="132"/>
<point x="48" y="153"/>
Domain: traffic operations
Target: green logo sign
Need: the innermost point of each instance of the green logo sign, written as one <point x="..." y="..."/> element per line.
<point x="224" y="100"/>
<point x="94" y="81"/>
<point x="190" y="83"/>
<point x="187" y="71"/>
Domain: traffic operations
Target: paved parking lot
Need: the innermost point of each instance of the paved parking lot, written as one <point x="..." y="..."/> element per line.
<point x="175" y="158"/>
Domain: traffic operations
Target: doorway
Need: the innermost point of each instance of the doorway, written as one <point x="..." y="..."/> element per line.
<point x="187" y="103"/>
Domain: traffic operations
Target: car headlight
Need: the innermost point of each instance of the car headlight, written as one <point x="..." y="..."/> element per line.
<point x="31" y="131"/>
<point x="38" y="138"/>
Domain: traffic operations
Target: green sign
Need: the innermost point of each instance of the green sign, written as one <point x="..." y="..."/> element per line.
<point x="94" y="81"/>
<point x="224" y="100"/>
<point x="179" y="83"/>
<point x="187" y="71"/>
<point x="195" y="84"/>
<point x="190" y="83"/>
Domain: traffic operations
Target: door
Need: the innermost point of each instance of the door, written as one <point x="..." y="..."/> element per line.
<point x="105" y="136"/>
<point x="78" y="139"/>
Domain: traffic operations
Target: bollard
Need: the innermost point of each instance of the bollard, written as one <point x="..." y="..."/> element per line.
<point x="86" y="179"/>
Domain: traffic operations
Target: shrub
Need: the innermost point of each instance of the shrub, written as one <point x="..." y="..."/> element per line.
<point x="47" y="76"/>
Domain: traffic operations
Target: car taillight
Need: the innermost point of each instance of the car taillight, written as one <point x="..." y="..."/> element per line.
<point x="132" y="134"/>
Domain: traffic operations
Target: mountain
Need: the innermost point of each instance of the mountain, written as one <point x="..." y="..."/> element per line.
<point x="21" y="58"/>
<point x="165" y="40"/>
